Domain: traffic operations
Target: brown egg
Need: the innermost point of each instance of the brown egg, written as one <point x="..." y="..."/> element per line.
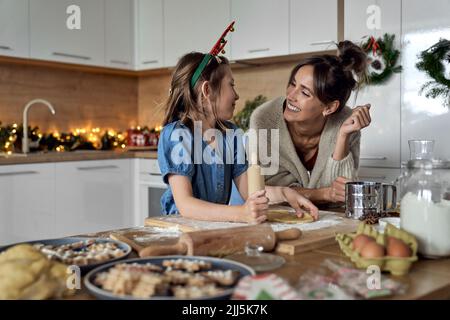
<point x="372" y="250"/>
<point x="397" y="248"/>
<point x="360" y="240"/>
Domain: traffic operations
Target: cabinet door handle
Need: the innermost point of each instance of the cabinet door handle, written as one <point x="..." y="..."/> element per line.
<point x="5" y="48"/>
<point x="149" y="61"/>
<point x="373" y="158"/>
<point x="155" y="174"/>
<point x="318" y="43"/>
<point x="69" y="55"/>
<point x="17" y="173"/>
<point x="258" y="50"/>
<point x="97" y="168"/>
<point x="119" y="62"/>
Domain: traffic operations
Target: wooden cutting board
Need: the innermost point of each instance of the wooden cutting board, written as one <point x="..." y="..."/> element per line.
<point x="310" y="239"/>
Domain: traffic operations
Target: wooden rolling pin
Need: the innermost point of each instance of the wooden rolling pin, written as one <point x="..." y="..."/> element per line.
<point x="255" y="178"/>
<point x="222" y="242"/>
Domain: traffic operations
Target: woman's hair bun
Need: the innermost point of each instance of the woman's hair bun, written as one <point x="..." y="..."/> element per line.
<point x="353" y="58"/>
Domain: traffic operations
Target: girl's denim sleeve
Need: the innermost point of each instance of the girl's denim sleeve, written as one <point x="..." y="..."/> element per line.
<point x="175" y="152"/>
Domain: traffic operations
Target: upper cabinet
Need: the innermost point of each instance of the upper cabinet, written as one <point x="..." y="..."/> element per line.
<point x="313" y="25"/>
<point x="193" y="25"/>
<point x="71" y="31"/>
<point x="133" y="34"/>
<point x="380" y="142"/>
<point x="14" y="30"/>
<point x="119" y="34"/>
<point x="262" y="28"/>
<point x="149" y="47"/>
<point x="423" y="24"/>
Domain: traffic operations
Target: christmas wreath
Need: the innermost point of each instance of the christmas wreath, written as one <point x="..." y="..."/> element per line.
<point x="382" y="59"/>
<point x="433" y="62"/>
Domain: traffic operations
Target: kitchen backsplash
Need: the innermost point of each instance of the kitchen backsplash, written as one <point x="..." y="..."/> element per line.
<point x="84" y="99"/>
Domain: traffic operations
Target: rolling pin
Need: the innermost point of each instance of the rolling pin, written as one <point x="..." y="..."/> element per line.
<point x="222" y="242"/>
<point x="255" y="178"/>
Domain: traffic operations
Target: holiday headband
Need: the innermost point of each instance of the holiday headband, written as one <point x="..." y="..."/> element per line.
<point x="218" y="48"/>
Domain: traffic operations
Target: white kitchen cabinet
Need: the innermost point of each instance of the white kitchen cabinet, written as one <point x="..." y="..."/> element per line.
<point x="150" y="36"/>
<point x="423" y="24"/>
<point x="380" y="142"/>
<point x="364" y="18"/>
<point x="52" y="39"/>
<point x="93" y="196"/>
<point x="193" y="25"/>
<point x="14" y="29"/>
<point x="119" y="34"/>
<point x="313" y="25"/>
<point x="384" y="175"/>
<point x="149" y="189"/>
<point x="134" y="34"/>
<point x="262" y="28"/>
<point x="27" y="202"/>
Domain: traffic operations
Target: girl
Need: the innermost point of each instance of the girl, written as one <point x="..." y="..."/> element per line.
<point x="200" y="188"/>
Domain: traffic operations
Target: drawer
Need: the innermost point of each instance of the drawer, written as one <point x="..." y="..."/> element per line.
<point x="149" y="166"/>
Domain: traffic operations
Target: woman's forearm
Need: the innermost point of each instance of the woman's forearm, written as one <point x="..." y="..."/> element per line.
<point x="317" y="196"/>
<point x="194" y="208"/>
<point x="342" y="147"/>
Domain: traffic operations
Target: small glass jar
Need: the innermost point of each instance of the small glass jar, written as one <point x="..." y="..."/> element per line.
<point x="425" y="205"/>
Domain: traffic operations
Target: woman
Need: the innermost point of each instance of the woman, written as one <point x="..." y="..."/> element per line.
<point x="319" y="135"/>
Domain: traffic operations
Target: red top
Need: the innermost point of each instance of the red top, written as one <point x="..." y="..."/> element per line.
<point x="309" y="165"/>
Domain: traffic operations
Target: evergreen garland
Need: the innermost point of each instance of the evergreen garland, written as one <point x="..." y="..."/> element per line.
<point x="431" y="61"/>
<point x="242" y="118"/>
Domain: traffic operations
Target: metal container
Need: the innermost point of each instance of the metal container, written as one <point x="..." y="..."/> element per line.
<point x="363" y="198"/>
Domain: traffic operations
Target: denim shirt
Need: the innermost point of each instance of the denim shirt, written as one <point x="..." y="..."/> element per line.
<point x="211" y="172"/>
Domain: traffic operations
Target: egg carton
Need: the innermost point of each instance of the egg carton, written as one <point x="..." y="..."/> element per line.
<point x="395" y="265"/>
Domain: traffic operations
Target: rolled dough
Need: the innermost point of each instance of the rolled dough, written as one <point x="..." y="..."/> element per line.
<point x="285" y="216"/>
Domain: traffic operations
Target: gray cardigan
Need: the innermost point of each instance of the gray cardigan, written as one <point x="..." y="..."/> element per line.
<point x="291" y="170"/>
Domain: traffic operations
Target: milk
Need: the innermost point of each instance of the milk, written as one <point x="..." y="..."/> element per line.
<point x="429" y="222"/>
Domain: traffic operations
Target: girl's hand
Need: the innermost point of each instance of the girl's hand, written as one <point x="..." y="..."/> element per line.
<point x="359" y="119"/>
<point x="255" y="208"/>
<point x="300" y="203"/>
<point x="336" y="192"/>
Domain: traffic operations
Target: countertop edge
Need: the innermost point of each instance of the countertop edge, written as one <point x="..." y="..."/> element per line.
<point x="76" y="156"/>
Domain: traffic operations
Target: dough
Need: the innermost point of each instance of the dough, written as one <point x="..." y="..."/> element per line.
<point x="26" y="273"/>
<point x="285" y="216"/>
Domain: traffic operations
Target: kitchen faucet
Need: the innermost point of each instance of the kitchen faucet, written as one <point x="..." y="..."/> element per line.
<point x="25" y="147"/>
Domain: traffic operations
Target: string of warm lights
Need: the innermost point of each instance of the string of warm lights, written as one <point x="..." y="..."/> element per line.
<point x="77" y="139"/>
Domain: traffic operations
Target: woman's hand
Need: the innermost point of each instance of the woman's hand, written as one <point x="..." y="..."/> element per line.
<point x="359" y="119"/>
<point x="336" y="192"/>
<point x="300" y="203"/>
<point x="255" y="208"/>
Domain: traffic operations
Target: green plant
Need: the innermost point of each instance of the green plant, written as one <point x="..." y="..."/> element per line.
<point x="242" y="118"/>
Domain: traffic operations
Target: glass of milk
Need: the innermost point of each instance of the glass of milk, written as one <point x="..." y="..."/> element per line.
<point x="425" y="206"/>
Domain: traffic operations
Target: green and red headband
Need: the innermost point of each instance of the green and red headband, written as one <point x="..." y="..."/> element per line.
<point x="218" y="48"/>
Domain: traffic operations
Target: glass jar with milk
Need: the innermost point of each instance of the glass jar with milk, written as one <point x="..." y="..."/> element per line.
<point x="425" y="205"/>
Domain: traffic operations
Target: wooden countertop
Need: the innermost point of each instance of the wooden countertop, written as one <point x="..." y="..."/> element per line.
<point x="41" y="157"/>
<point x="427" y="279"/>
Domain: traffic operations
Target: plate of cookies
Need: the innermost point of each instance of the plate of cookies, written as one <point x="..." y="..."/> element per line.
<point x="86" y="253"/>
<point x="166" y="278"/>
